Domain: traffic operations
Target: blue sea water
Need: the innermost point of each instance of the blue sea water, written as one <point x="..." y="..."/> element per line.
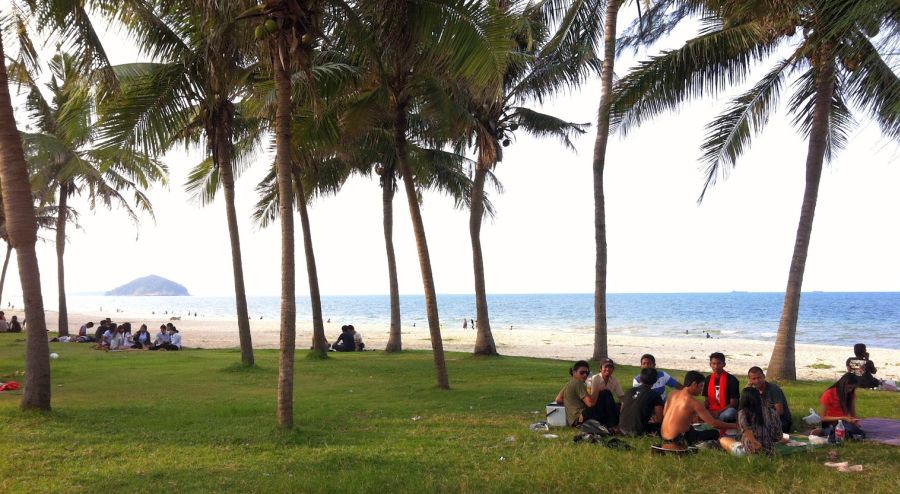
<point x="825" y="317"/>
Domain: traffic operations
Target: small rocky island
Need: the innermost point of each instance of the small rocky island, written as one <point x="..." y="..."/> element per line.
<point x="150" y="286"/>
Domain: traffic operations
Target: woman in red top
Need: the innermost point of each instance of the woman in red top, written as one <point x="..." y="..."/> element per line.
<point x="839" y="403"/>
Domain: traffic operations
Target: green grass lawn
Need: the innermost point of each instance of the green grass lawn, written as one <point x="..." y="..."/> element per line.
<point x="193" y="421"/>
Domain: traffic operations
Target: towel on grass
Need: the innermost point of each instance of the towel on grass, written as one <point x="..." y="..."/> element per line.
<point x="885" y="431"/>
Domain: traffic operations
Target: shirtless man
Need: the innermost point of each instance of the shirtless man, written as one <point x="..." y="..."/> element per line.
<point x="681" y="408"/>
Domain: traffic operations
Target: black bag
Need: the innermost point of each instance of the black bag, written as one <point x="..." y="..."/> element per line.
<point x="592" y="426"/>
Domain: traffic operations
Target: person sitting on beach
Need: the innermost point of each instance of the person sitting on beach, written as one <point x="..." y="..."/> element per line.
<point x="862" y="367"/>
<point x="721" y="390"/>
<point x="83" y="330"/>
<point x="14" y="326"/>
<point x="357" y="339"/>
<point x="101" y="330"/>
<point x="141" y="339"/>
<point x="606" y="380"/>
<point x="117" y="338"/>
<point x="174" y="343"/>
<point x="642" y="408"/>
<point x="772" y="395"/>
<point x="345" y="341"/>
<point x="580" y="405"/>
<point x="839" y="404"/>
<point x="161" y="337"/>
<point x="680" y="410"/>
<point x="663" y="379"/>
<point x="4" y="326"/>
<point x="759" y="421"/>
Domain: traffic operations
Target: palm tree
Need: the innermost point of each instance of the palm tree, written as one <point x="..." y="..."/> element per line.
<point x="543" y="62"/>
<point x="21" y="227"/>
<point x="64" y="163"/>
<point x="838" y="53"/>
<point x="289" y="28"/>
<point x="206" y="64"/>
<point x="404" y="46"/>
<point x="70" y="22"/>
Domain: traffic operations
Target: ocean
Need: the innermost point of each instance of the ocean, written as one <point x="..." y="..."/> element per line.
<point x="825" y="317"/>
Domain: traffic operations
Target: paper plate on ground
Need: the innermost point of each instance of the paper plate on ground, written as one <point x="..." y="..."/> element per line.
<point x="671" y="449"/>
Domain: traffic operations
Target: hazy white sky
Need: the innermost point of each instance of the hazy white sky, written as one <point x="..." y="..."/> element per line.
<point x="541" y="241"/>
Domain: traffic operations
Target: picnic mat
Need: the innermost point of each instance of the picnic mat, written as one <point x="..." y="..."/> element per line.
<point x="885" y="431"/>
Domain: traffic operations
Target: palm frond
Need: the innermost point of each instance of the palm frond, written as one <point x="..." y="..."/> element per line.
<point x="730" y="133"/>
<point x="873" y="86"/>
<point x="703" y="66"/>
<point x="543" y="125"/>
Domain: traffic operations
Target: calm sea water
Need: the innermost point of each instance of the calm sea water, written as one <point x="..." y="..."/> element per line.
<point x="825" y="317"/>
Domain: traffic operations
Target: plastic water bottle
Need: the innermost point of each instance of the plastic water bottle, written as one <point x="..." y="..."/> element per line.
<point x="840" y="432"/>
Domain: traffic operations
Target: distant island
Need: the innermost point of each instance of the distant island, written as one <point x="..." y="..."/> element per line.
<point x="150" y="286"/>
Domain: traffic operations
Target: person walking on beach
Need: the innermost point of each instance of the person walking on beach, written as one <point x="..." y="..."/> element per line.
<point x="663" y="379"/>
<point x="680" y="410"/>
<point x="465" y="324"/>
<point x="721" y="390"/>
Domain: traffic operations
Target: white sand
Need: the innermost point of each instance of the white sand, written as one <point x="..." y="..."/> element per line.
<point x="686" y="353"/>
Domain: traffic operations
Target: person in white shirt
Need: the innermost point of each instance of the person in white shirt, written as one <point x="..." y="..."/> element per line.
<point x="357" y="338"/>
<point x="663" y="379"/>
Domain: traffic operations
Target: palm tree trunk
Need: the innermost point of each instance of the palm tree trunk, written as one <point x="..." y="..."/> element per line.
<point x="224" y="155"/>
<point x="286" y="211"/>
<point x="319" y="344"/>
<point x="434" y="323"/>
<point x="5" y="265"/>
<point x="18" y="205"/>
<point x="484" y="340"/>
<point x="782" y="365"/>
<point x="60" y="251"/>
<point x="394" y="343"/>
<point x="601" y="349"/>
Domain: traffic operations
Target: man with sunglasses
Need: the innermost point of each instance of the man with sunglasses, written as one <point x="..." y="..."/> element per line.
<point x="580" y="406"/>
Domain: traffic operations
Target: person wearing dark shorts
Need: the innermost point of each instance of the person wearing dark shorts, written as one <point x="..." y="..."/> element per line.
<point x="682" y="407"/>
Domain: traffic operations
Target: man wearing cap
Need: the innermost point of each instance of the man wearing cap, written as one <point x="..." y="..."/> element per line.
<point x="606" y="380"/>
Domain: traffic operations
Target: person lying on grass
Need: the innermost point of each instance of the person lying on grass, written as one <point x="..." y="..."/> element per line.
<point x="580" y="406"/>
<point x="682" y="407"/>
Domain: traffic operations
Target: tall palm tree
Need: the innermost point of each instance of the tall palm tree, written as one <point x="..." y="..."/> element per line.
<point x="405" y="45"/>
<point x="205" y="63"/>
<point x="289" y="28"/>
<point x="22" y="230"/>
<point x="601" y="349"/>
<point x="542" y="62"/>
<point x="838" y="59"/>
<point x="64" y="162"/>
<point x="70" y="22"/>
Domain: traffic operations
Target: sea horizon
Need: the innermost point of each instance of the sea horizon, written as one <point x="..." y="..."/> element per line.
<point x="833" y="318"/>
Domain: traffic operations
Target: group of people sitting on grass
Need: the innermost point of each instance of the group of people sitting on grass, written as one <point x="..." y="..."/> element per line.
<point x="11" y="326"/>
<point x="759" y="410"/>
<point x="112" y="336"/>
<point x="350" y="340"/>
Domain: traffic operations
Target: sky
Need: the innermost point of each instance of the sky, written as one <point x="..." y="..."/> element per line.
<point x="542" y="239"/>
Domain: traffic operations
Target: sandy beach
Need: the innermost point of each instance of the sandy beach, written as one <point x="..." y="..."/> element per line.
<point x="817" y="362"/>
